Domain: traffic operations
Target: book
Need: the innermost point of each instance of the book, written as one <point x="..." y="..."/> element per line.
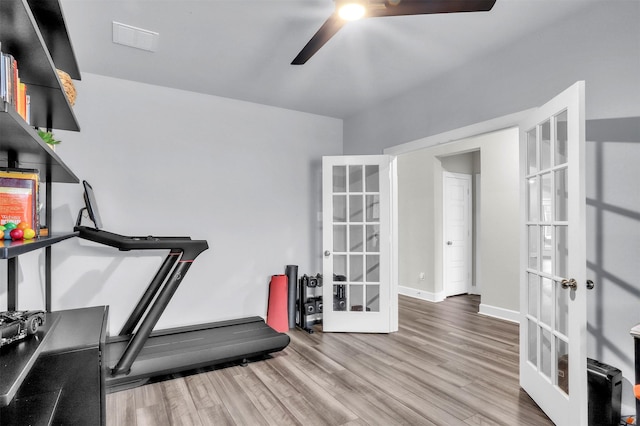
<point x="3" y="83"/>
<point x="12" y="89"/>
<point x="14" y="82"/>
<point x="19" y="197"/>
<point x="28" y="109"/>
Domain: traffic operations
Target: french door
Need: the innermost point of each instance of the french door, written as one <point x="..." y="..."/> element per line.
<point x="553" y="360"/>
<point x="358" y="295"/>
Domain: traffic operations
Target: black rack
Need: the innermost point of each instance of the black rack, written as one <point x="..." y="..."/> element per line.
<point x="309" y="302"/>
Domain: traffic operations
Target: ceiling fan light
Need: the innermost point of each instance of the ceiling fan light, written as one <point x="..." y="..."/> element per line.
<point x="350" y="11"/>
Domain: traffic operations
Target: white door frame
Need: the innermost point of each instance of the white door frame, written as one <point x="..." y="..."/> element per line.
<point x="510" y="121"/>
<point x="469" y="251"/>
<point x="476" y="285"/>
<point x="477" y="129"/>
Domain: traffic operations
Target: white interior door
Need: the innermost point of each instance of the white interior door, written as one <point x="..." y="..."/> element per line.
<point x="358" y="295"/>
<point x="553" y="359"/>
<point x="457" y="233"/>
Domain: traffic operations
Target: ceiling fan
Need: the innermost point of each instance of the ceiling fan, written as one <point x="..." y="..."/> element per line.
<point x="347" y="10"/>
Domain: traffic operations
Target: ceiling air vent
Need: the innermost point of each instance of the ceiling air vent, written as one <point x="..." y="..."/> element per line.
<point x="135" y="37"/>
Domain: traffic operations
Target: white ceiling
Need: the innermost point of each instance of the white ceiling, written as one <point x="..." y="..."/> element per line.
<point x="242" y="49"/>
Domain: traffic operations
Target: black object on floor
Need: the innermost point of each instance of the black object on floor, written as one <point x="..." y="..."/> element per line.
<point x="605" y="393"/>
<point x="291" y="271"/>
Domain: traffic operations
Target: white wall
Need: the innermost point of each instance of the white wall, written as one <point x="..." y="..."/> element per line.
<point x="420" y="219"/>
<point x="245" y="177"/>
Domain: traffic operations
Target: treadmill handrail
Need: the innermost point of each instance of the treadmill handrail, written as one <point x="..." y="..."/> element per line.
<point x="139" y="338"/>
<point x="190" y="248"/>
<point x="150" y="293"/>
<point x="183" y="251"/>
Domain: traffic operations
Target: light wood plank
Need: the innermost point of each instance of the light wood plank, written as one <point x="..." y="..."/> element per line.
<point x="181" y="408"/>
<point x="151" y="415"/>
<point x="240" y="407"/>
<point x="122" y="409"/>
<point x="446" y="365"/>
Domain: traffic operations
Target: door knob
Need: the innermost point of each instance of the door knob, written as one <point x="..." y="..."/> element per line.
<point x="570" y="283"/>
<point x="590" y="285"/>
<point x="327" y="253"/>
<point x="449" y="243"/>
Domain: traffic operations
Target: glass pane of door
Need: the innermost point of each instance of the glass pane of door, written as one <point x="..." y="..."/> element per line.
<point x="356" y="253"/>
<point x="547" y="245"/>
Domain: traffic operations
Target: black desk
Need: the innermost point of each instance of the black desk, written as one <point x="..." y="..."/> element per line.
<point x="60" y="379"/>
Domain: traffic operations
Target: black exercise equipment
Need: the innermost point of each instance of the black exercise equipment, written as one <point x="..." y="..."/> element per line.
<point x="309" y="302"/>
<point x="291" y="271"/>
<point x="138" y="353"/>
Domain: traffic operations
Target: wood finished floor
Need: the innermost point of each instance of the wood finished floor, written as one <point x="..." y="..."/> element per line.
<point x="446" y="365"/>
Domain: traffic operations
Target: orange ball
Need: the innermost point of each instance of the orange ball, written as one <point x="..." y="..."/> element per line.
<point x="23" y="225"/>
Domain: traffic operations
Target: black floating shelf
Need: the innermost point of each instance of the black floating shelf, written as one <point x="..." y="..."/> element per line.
<point x="20" y="36"/>
<point x="51" y="22"/>
<point x="9" y="249"/>
<point x="32" y="152"/>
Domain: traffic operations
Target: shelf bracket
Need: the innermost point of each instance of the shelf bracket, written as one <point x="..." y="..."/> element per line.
<point x="47" y="251"/>
<point x="12" y="159"/>
<point x="12" y="284"/>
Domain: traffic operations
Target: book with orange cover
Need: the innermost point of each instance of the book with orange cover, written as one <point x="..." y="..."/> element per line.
<point x="19" y="197"/>
<point x="21" y="106"/>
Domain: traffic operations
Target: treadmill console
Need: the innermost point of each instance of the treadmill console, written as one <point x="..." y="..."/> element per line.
<point x="190" y="248"/>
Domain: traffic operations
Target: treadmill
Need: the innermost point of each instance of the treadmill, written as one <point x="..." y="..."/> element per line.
<point x="138" y="353"/>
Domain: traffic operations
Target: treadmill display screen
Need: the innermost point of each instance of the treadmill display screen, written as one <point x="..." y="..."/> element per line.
<point x="92" y="206"/>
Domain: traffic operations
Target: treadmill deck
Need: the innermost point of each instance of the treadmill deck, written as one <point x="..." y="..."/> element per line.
<point x="186" y="348"/>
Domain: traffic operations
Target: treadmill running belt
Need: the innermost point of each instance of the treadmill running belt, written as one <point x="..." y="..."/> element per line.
<point x="171" y="351"/>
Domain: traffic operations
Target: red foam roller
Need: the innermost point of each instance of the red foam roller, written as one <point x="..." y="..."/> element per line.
<point x="277" y="317"/>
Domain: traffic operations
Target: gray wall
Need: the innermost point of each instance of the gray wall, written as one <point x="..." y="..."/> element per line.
<point x="613" y="242"/>
<point x="244" y="177"/>
<point x="601" y="45"/>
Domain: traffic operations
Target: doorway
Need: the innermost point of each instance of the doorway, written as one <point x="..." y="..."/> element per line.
<point x="460" y="212"/>
<point x="495" y="256"/>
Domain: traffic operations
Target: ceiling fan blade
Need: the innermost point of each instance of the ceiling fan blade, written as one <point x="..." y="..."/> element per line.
<point x="424" y="7"/>
<point x="326" y="31"/>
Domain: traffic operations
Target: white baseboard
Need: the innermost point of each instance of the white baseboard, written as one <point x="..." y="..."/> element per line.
<point x="488" y="310"/>
<point x="500" y="313"/>
<point x="421" y="294"/>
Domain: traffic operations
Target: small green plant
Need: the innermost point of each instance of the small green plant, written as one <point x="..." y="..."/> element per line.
<point x="48" y="137"/>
